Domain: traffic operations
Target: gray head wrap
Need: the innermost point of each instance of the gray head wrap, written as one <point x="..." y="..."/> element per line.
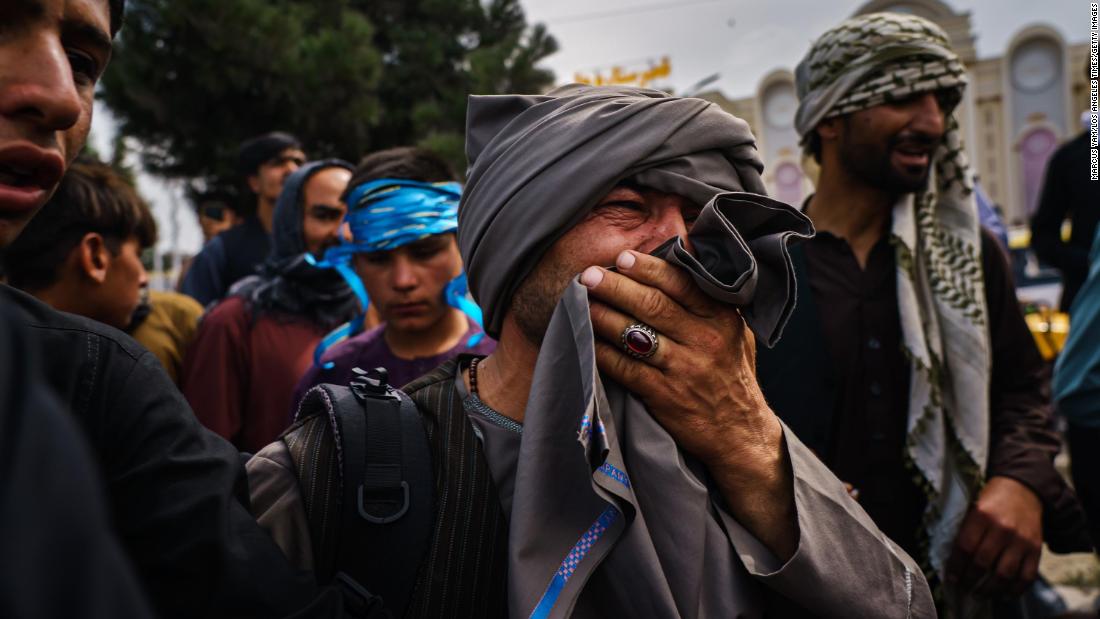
<point x="538" y="164"/>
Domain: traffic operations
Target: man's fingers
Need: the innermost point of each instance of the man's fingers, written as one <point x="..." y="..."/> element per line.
<point x="966" y="544"/>
<point x="649" y="305"/>
<point x="985" y="558"/>
<point x="1008" y="568"/>
<point x="668" y="278"/>
<point x="609" y="324"/>
<point x="637" y="377"/>
<point x="1029" y="569"/>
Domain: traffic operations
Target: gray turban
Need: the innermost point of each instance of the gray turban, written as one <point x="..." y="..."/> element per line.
<point x="538" y="164"/>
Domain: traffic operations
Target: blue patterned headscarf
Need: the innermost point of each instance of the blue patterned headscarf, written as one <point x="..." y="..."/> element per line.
<point x="385" y="214"/>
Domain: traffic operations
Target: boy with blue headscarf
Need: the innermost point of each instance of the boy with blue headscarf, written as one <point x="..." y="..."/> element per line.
<point x="403" y="261"/>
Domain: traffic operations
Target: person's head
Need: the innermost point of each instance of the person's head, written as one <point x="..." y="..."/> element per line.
<point x="565" y="181"/>
<point x="322" y="211"/>
<point x="876" y="97"/>
<point x="406" y="280"/>
<point x="216" y="215"/>
<point x="309" y="214"/>
<point x="52" y="53"/>
<point x="266" y="161"/>
<point x="82" y="252"/>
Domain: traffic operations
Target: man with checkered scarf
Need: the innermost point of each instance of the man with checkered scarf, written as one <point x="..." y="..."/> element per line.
<point x="919" y="383"/>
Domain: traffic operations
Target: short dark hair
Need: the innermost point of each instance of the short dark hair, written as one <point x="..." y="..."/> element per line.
<point x="92" y="197"/>
<point x="407" y="162"/>
<point x="219" y="197"/>
<point x="117" y="8"/>
<point x="254" y="152"/>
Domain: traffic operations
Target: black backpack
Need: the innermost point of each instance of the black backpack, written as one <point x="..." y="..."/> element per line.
<point x="365" y="475"/>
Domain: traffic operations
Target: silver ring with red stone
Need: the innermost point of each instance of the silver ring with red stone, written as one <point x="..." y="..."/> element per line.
<point x="640" y="341"/>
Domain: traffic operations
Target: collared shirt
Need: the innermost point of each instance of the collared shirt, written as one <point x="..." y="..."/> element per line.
<point x="862" y="327"/>
<point x="858" y="314"/>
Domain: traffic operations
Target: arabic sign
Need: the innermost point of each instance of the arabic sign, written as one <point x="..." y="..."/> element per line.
<point x="619" y="75"/>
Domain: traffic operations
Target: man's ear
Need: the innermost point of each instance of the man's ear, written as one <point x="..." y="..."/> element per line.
<point x="254" y="183"/>
<point x="829" y="129"/>
<point x="93" y="257"/>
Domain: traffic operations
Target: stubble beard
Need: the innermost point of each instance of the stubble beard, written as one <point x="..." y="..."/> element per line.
<point x="536" y="298"/>
<point x="871" y="164"/>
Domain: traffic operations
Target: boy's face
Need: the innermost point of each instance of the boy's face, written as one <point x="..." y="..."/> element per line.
<point x="52" y="52"/>
<point x="116" y="294"/>
<point x="406" y="284"/>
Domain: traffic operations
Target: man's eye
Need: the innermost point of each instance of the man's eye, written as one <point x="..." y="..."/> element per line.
<point x="84" y="66"/>
<point x="424" y="253"/>
<point x="625" y="205"/>
<point x="377" y="257"/>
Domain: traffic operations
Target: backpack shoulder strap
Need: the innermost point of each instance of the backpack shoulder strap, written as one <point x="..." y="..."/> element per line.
<point x="385" y="488"/>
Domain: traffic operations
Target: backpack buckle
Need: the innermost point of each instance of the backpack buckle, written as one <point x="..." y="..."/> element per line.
<point x="372" y="384"/>
<point x="384" y="519"/>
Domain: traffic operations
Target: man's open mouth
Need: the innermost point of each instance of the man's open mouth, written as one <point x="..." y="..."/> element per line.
<point x="17" y="176"/>
<point x="912" y="154"/>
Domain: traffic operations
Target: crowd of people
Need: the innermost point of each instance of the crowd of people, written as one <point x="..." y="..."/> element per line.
<point x="599" y="373"/>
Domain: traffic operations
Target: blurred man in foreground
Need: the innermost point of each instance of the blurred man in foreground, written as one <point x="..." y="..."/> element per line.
<point x="173" y="490"/>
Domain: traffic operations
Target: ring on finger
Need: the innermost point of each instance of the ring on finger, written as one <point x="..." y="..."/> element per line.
<point x="640" y="341"/>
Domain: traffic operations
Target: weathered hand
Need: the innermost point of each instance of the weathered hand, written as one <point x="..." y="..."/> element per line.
<point x="700" y="385"/>
<point x="998" y="545"/>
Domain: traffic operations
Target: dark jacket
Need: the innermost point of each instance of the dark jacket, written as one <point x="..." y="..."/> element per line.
<point x="61" y="558"/>
<point x="177" y="494"/>
<point x="226" y="258"/>
<point x="1067" y="192"/>
<point x="801" y="385"/>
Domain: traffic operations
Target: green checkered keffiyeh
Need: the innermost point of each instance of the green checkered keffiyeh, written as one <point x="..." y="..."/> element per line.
<point x="867" y="61"/>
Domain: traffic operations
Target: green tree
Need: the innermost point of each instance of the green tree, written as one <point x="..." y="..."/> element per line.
<point x="192" y="78"/>
<point x="436" y="52"/>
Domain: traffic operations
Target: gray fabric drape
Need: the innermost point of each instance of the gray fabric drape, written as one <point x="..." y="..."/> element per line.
<point x="597" y="475"/>
<point x="598" y="481"/>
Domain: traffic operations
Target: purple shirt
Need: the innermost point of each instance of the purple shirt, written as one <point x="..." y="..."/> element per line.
<point x="369" y="350"/>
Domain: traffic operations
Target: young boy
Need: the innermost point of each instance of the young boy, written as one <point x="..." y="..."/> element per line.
<point x="402" y="207"/>
<point x="82" y="252"/>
